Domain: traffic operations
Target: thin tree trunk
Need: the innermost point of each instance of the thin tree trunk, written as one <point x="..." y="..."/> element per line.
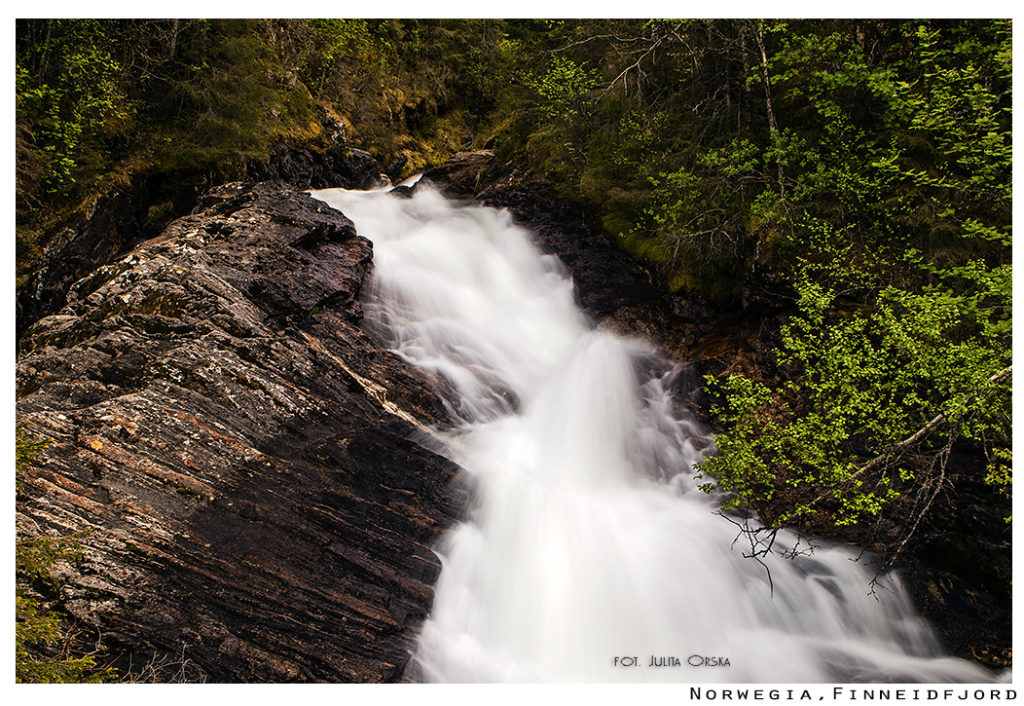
<point x="773" y="127"/>
<point x="46" y="49"/>
<point x="174" y="37"/>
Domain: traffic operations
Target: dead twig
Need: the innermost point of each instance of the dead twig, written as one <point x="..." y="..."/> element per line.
<point x="899" y="447"/>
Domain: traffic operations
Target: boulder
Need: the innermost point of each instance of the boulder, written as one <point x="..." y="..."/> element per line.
<point x="459" y="176"/>
<point x="342" y="166"/>
<point x="357" y="169"/>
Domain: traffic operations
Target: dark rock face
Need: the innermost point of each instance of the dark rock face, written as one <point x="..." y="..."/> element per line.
<point x="960" y="565"/>
<point x="402" y="192"/>
<point x="340" y="166"/>
<point x="88" y="241"/>
<point x="241" y="455"/>
<point x="103" y="229"/>
<point x="393" y="170"/>
<point x="460" y="175"/>
<point x="357" y="169"/>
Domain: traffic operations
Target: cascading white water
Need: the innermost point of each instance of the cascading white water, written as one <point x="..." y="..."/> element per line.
<point x="588" y="542"/>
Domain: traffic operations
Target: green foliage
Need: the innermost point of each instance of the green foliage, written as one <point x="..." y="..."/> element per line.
<point x="857" y="168"/>
<point x="40" y="635"/>
<point x="36" y="558"/>
<point x="563" y="89"/>
<point x="329" y="46"/>
<point x="26" y="450"/>
<point x="562" y="110"/>
<point x="37" y="626"/>
<point x="686" y="229"/>
<point x="867" y="379"/>
<point x="82" y="97"/>
<point x="1000" y="473"/>
<point x="898" y="234"/>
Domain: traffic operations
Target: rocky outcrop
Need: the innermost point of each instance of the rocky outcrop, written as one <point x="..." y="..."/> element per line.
<point x="98" y="231"/>
<point x="107" y="226"/>
<point x="959" y="565"/>
<point x="244" y="463"/>
<point x="341" y="166"/>
<point x="460" y="175"/>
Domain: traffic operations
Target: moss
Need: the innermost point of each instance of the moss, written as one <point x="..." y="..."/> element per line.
<point x="64" y="338"/>
<point x="681" y="270"/>
<point x="138" y="551"/>
<point x="180" y="490"/>
<point x="27" y="449"/>
<point x="249" y="382"/>
<point x="27" y="252"/>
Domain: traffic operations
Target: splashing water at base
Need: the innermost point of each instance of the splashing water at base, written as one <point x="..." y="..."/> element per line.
<point x="588" y="542"/>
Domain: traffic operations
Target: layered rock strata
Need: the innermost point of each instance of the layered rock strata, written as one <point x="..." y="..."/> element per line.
<point x="245" y="468"/>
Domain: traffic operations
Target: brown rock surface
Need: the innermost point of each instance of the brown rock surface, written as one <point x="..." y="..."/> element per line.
<point x="459" y="175"/>
<point x="241" y="456"/>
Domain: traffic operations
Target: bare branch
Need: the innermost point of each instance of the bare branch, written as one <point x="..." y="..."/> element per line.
<point x="624" y="40"/>
<point x="900" y="446"/>
<point x="943" y="461"/>
<point x="657" y="39"/>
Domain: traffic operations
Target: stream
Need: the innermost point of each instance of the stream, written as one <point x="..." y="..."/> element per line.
<point x="588" y="552"/>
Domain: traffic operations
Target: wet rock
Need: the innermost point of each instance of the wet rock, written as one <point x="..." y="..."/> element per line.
<point x="298" y="166"/>
<point x="395" y="166"/>
<point x="88" y="237"/>
<point x="338" y="166"/>
<point x="459" y="176"/>
<point x="107" y="226"/>
<point x="960" y="563"/>
<point x="358" y="169"/>
<point x="970" y="623"/>
<point x="241" y="457"/>
<point x="402" y="192"/>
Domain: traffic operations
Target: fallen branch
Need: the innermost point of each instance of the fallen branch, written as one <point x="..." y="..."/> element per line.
<point x="943" y="461"/>
<point x="909" y="441"/>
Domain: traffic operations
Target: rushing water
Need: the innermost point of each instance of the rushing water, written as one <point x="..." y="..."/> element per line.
<point x="587" y="542"/>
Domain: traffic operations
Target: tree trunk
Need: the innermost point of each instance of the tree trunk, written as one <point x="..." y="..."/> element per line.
<point x="175" y="25"/>
<point x="773" y="127"/>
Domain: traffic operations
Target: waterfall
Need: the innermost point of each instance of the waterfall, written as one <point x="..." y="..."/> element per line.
<point x="588" y="552"/>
